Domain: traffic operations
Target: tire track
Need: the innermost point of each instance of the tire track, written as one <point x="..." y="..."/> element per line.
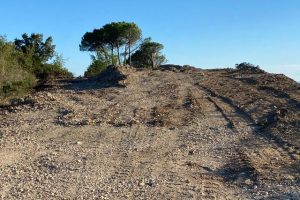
<point x="244" y="116"/>
<point x="202" y="182"/>
<point x="259" y="160"/>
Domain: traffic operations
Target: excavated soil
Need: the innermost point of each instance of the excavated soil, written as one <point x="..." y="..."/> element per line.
<point x="154" y="134"/>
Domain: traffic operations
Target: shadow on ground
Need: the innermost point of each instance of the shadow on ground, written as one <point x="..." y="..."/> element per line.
<point x="111" y="77"/>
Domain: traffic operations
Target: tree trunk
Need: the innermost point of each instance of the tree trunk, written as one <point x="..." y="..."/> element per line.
<point x="152" y="61"/>
<point x="125" y="55"/>
<point x="129" y="53"/>
<point x="118" y="49"/>
<point x="112" y="55"/>
<point x="106" y="56"/>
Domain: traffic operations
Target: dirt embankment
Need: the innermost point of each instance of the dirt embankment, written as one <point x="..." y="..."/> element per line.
<point x="177" y="133"/>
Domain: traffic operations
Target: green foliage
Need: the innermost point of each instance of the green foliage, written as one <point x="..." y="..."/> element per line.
<point x="53" y="70"/>
<point x="93" y="41"/>
<point x="95" y="68"/>
<point x="100" y="61"/>
<point x="18" y="87"/>
<point x="15" y="80"/>
<point x="35" y="48"/>
<point x="25" y="60"/>
<point x="132" y="34"/>
<point x="36" y="54"/>
<point x="248" y="67"/>
<point x="111" y="37"/>
<point x="148" y="55"/>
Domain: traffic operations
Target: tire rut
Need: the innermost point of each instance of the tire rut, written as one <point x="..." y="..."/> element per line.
<point x="244" y="116"/>
<point x="260" y="159"/>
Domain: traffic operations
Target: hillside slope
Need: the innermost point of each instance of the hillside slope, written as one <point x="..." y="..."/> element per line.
<point x="162" y="134"/>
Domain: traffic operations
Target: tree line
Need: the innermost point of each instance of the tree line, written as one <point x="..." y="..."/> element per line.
<point x="120" y="43"/>
<point x="32" y="58"/>
<point x="26" y="61"/>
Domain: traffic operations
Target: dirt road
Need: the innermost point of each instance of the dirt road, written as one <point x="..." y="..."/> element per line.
<point x="153" y="135"/>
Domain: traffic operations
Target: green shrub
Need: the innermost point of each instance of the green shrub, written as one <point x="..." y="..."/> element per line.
<point x="52" y="71"/>
<point x="95" y="68"/>
<point x="37" y="55"/>
<point x="17" y="88"/>
<point x="248" y="67"/>
<point x="25" y="61"/>
<point x="15" y="80"/>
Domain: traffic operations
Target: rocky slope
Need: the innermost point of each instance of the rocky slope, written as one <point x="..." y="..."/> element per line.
<point x="176" y="133"/>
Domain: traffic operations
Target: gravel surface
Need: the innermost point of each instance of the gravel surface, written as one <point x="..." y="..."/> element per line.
<point x="173" y="134"/>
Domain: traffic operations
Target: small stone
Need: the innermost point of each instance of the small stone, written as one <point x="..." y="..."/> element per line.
<point x="142" y="184"/>
<point x="79" y="143"/>
<point x="151" y="183"/>
<point x="289" y="177"/>
<point x="191" y="152"/>
<point x="248" y="182"/>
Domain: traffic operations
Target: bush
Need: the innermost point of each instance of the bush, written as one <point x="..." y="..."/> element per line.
<point x="17" y="88"/>
<point x="248" y="67"/>
<point x="95" y="68"/>
<point x="15" y="80"/>
<point x="19" y="68"/>
<point x="51" y="71"/>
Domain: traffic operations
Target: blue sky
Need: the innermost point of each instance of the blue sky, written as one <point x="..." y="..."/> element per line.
<point x="202" y="33"/>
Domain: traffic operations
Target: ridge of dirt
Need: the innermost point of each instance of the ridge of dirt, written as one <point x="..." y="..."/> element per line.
<point x="176" y="133"/>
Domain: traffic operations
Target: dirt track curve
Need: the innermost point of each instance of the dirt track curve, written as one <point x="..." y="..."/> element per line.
<point x="154" y="135"/>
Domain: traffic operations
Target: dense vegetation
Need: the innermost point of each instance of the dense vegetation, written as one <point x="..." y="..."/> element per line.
<point x="37" y="54"/>
<point x="27" y="61"/>
<point x="248" y="67"/>
<point x="100" y="61"/>
<point x="15" y="79"/>
<point x="31" y="59"/>
<point x="120" y="43"/>
<point x="148" y="55"/>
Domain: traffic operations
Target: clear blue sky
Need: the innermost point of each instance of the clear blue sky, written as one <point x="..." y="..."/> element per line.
<point x="202" y="33"/>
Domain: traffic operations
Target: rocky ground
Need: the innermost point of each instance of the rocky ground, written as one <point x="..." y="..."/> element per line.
<point x="178" y="133"/>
